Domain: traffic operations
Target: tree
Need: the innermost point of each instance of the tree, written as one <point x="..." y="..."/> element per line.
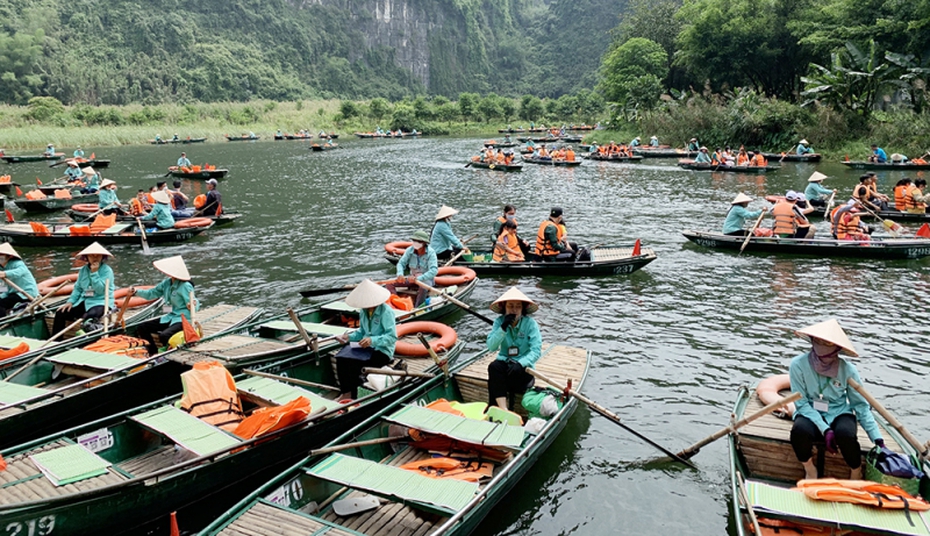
<point x="531" y="108"/>
<point x="468" y="105"/>
<point x="378" y="108"/>
<point x="404" y="117"/>
<point x="654" y="20"/>
<point x="632" y="73"/>
<point x="422" y="109"/>
<point x="447" y="112"/>
<point x="19" y="54"/>
<point x="349" y="109"/>
<point x="490" y="107"/>
<point x="44" y="108"/>
<point x="507" y="108"/>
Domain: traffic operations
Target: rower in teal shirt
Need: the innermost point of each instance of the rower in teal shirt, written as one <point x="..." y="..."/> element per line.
<point x="78" y="153"/>
<point x="738" y="214"/>
<point x="91" y="180"/>
<point x="50" y="150"/>
<point x="815" y="192"/>
<point x="803" y="149"/>
<point x="161" y="212"/>
<point x="93" y="291"/>
<point x="443" y="240"/>
<point x="702" y="157"/>
<point x="177" y="291"/>
<point x="107" y="197"/>
<point x="376" y="336"/>
<point x="14" y="270"/>
<point x="183" y="161"/>
<point x="518" y="342"/>
<point x="420" y="260"/>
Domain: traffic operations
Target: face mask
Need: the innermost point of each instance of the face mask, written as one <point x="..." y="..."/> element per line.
<point x="510" y="217"/>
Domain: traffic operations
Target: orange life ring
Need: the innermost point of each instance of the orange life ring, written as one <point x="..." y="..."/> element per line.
<point x="135" y="301"/>
<point x="447" y="337"/>
<point x="192" y="222"/>
<point x="48" y="285"/>
<point x="397" y="248"/>
<point x="19" y="349"/>
<point x="768" y="392"/>
<point x="85" y="207"/>
<point x="454" y="275"/>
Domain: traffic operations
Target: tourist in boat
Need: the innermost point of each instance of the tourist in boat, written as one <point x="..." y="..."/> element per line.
<point x="635" y="142"/>
<point x="551" y="244"/>
<point x="900" y="194"/>
<point x="375" y="337"/>
<point x="507" y="247"/>
<point x="139" y="205"/>
<point x="91" y="180"/>
<point x="694" y="145"/>
<point x="877" y="197"/>
<point x="161" y="211"/>
<point x="915" y="201"/>
<point x="107" y="200"/>
<point x="702" y="157"/>
<point x="654" y="142"/>
<point x="510" y="214"/>
<point x="14" y="271"/>
<point x="93" y="290"/>
<point x="865" y="194"/>
<point x="757" y="159"/>
<point x="878" y="155"/>
<point x="157" y="138"/>
<point x="569" y="154"/>
<point x="801" y="209"/>
<point x="516" y="338"/>
<point x="78" y="153"/>
<point x="735" y="223"/>
<point x="175" y="137"/>
<point x="785" y="223"/>
<point x="803" y="148"/>
<point x="329" y="141"/>
<point x="742" y="158"/>
<point x="50" y="150"/>
<point x="847" y="225"/>
<point x="419" y="263"/>
<point x="183" y="161"/>
<point x="829" y="410"/>
<point x="815" y="193"/>
<point x="179" y="208"/>
<point x="442" y="239"/>
<point x="73" y="172"/>
<point x="279" y="134"/>
<point x="177" y="291"/>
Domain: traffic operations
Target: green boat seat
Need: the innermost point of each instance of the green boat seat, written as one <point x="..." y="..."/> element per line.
<point x="117" y="229"/>
<point x="72" y="463"/>
<point x="447" y="496"/>
<point x="103" y="362"/>
<point x="281" y="393"/>
<point x="12" y="341"/>
<point x="311" y="327"/>
<point x="186" y="430"/>
<point x="461" y="428"/>
<point x="11" y="393"/>
<point x="339" y="307"/>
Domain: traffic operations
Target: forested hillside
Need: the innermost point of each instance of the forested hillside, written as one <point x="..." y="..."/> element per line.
<point x="151" y="51"/>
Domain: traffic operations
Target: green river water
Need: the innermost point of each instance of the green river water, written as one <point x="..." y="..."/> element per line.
<point x="671" y="343"/>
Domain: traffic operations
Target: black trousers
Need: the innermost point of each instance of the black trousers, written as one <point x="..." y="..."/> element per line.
<point x="506" y="378"/>
<point x="741" y="232"/>
<point x="817" y="202"/>
<point x="9" y="302"/>
<point x="448" y="254"/>
<point x="349" y="371"/>
<point x="64" y="318"/>
<point x="147" y="329"/>
<point x="804" y="432"/>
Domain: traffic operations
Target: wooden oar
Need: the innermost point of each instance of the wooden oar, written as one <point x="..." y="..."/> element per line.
<point x="346" y="446"/>
<point x="456" y="301"/>
<point x="826" y="212"/>
<point x="19" y="289"/>
<point x="892" y="227"/>
<point x="460" y="253"/>
<point x="32" y="307"/>
<point x="98" y="212"/>
<point x="295" y="381"/>
<point x="751" y="231"/>
<point x="106" y="302"/>
<point x="344" y="288"/>
<point x="610" y="415"/>
<point x="923" y="450"/>
<point x="122" y="309"/>
<point x="443" y="365"/>
<point x="145" y="241"/>
<point x="401" y="373"/>
<point x="36" y="359"/>
<point x="300" y="328"/>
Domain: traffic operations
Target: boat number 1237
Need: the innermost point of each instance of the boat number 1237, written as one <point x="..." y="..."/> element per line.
<point x="33" y="527"/>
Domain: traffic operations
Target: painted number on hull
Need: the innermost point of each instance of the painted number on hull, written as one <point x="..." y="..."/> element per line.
<point x="287" y="494"/>
<point x="624" y="269"/>
<point x="34" y="527"/>
<point x="706" y="243"/>
<point x="915" y="253"/>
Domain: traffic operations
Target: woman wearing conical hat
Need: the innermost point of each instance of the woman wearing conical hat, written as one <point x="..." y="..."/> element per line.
<point x="91" y="180"/>
<point x="93" y="291"/>
<point x="177" y="291"/>
<point x="829" y="409"/>
<point x="161" y="211"/>
<point x="372" y="344"/>
<point x="107" y="200"/>
<point x="815" y="192"/>
<point x="14" y="271"/>
<point x="442" y="239"/>
<point x="419" y="261"/>
<point x="738" y="214"/>
<point x="516" y="338"/>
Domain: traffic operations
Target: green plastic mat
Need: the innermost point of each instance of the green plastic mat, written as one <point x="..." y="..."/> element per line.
<point x="11" y="393"/>
<point x="10" y="341"/>
<point x="447" y="495"/>
<point x="95" y="360"/>
<point x="461" y="428"/>
<point x="766" y="498"/>
<point x="118" y="228"/>
<point x="339" y="306"/>
<point x="311" y="327"/>
<point x="281" y="393"/>
<point x="186" y="430"/>
<point x="72" y="463"/>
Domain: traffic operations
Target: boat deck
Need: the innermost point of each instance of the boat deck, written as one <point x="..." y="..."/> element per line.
<point x="765" y="444"/>
<point x="231" y="349"/>
<point x="219" y="318"/>
<point x="616" y="253"/>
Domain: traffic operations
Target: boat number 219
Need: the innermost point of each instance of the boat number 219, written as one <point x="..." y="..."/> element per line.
<point x="33" y="527"/>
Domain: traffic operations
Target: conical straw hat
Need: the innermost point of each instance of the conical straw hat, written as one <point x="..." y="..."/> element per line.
<point x="173" y="267"/>
<point x="88" y="171"/>
<point x="513" y="294"/>
<point x="445" y="212"/>
<point x="95" y="249"/>
<point x="740" y="198"/>
<point x="7" y="249"/>
<point x="829" y="331"/>
<point x="161" y="197"/>
<point x="803" y="142"/>
<point x="367" y="294"/>
<point x="106" y="182"/>
<point x="817" y="177"/>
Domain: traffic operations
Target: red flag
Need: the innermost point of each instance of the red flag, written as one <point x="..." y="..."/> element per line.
<point x="924" y="231"/>
<point x="637" y="248"/>
<point x="93" y="156"/>
<point x="38" y="181"/>
<point x="190" y="334"/>
<point x="847" y="158"/>
<point x="19" y="193"/>
<point x="9" y="216"/>
<point x="2" y="464"/>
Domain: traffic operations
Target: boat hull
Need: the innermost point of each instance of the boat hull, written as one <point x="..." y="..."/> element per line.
<point x="31" y="158"/>
<point x="887" y="249"/>
<point x="19" y="235"/>
<point x="497" y="167"/>
<point x="51" y="204"/>
<point x="551" y="162"/>
<point x="730" y="169"/>
<point x="790" y="157"/>
<point x="887" y="166"/>
<point x="201" y="175"/>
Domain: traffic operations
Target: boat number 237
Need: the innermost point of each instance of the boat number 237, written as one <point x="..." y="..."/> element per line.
<point x="33" y="527"/>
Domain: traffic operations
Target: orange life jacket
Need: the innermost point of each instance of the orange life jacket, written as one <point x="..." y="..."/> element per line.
<point x="570" y="155"/>
<point x="900" y="197"/>
<point x="266" y="420"/>
<point x="847" y="227"/>
<point x="210" y="395"/>
<point x="543" y="247"/>
<point x="785" y="222"/>
<point x="511" y="241"/>
<point x="862" y="492"/>
<point x="742" y="159"/>
<point x="909" y="201"/>
<point x="136" y="208"/>
<point x="200" y="201"/>
<point x="445" y="468"/>
<point x="758" y="160"/>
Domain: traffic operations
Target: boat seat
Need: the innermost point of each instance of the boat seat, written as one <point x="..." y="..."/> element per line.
<point x="280" y="393"/>
<point x="66" y="230"/>
<point x="12" y="341"/>
<point x="311" y="327"/>
<point x="339" y="307"/>
<point x="69" y="464"/>
<point x="11" y="393"/>
<point x="442" y="495"/>
<point x="92" y="362"/>
<point x="117" y="229"/>
<point x="186" y="430"/>
<point x="461" y="428"/>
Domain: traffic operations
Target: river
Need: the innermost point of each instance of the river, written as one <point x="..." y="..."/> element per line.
<point x="671" y="343"/>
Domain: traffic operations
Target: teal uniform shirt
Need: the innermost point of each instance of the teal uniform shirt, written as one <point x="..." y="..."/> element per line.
<point x="525" y="337"/>
<point x="73" y="173"/>
<point x="79" y="154"/>
<point x="835" y="392"/>
<point x="736" y="218"/>
<point x="184" y="162"/>
<point x="694" y="146"/>
<point x="814" y="191"/>
<point x="161" y="213"/>
<point x="89" y="287"/>
<point x="176" y="295"/>
<point x="442" y="238"/>
<point x="18" y="274"/>
<point x="803" y="149"/>
<point x="92" y="181"/>
<point x="380" y="327"/>
<point x="107" y="197"/>
<point x="702" y="158"/>
<point x="423" y="266"/>
<point x="50" y="151"/>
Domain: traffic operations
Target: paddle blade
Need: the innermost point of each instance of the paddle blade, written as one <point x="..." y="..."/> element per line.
<point x="9" y="217"/>
<point x="190" y="334"/>
<point x="637" y="248"/>
<point x="924" y="231"/>
<point x="893" y="227"/>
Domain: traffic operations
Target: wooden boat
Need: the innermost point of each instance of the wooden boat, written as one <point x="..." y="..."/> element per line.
<point x="302" y="500"/>
<point x="894" y="215"/>
<point x="323" y="147"/>
<point x="692" y="165"/>
<point x="886" y="166"/>
<point x="182" y="140"/>
<point x="764" y="467"/>
<point x="10" y="159"/>
<point x="22" y="234"/>
<point x="135" y="467"/>
<point x="51" y="204"/>
<point x="510" y="130"/>
<point x="647" y="152"/>
<point x="614" y="158"/>
<point x="9" y="188"/>
<point x="571" y="139"/>
<point x="877" y="248"/>
<point x="551" y="162"/>
<point x="793" y="157"/>
<point x="370" y="135"/>
<point x="293" y="137"/>
<point x="79" y="385"/>
<point x="580" y="127"/>
<point x="500" y="144"/>
<point x="495" y="166"/>
<point x="547" y="139"/>
<point x="243" y="138"/>
<point x="203" y="174"/>
<point x="79" y="213"/>
<point x="96" y="163"/>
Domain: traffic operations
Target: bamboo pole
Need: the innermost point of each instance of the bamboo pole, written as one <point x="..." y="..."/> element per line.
<point x="295" y="381"/>
<point x="892" y="420"/>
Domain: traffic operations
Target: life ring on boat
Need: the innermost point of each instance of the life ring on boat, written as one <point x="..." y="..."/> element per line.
<point x="768" y="392"/>
<point x="135" y="301"/>
<point x="397" y="248"/>
<point x="19" y="349"/>
<point x="48" y="285"/>
<point x="447" y="337"/>
<point x="454" y="275"/>
<point x="192" y="222"/>
<point x="85" y="207"/>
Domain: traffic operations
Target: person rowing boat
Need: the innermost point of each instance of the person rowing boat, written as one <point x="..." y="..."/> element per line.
<point x="516" y="338"/>
<point x="735" y="222"/>
<point x="442" y="239"/>
<point x="372" y="344"/>
<point x="177" y="291"/>
<point x="815" y="193"/>
<point x="19" y="276"/>
<point x="419" y="259"/>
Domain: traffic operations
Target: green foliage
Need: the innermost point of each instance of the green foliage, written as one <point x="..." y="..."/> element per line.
<point x="349" y="109"/>
<point x="490" y="108"/>
<point x="531" y="108"/>
<point x="19" y="54"/>
<point x="855" y="81"/>
<point x="44" y="108"/>
<point x="404" y="118"/>
<point x="655" y="20"/>
<point x="632" y="73"/>
<point x="468" y="105"/>
<point x="378" y="108"/>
